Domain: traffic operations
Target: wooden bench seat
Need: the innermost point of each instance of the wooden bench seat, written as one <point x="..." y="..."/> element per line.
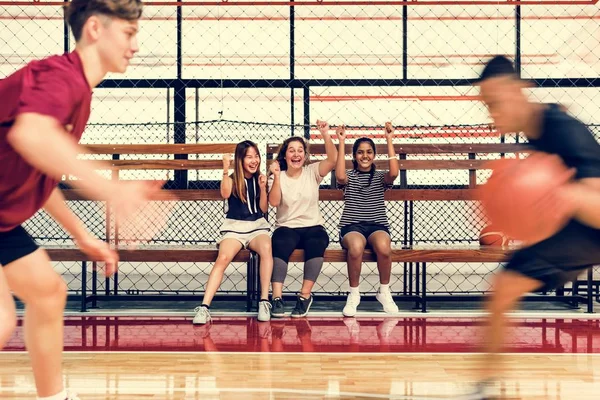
<point x="442" y="253"/>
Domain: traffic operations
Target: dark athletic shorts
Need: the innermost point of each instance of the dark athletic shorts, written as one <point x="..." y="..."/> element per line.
<point x="364" y="228"/>
<point x="560" y="258"/>
<point x="15" y="244"/>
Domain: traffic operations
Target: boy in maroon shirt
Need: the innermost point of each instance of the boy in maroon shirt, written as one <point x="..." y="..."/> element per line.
<point x="45" y="108"/>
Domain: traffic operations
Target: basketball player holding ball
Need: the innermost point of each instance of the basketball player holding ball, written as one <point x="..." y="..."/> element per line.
<point x="570" y="214"/>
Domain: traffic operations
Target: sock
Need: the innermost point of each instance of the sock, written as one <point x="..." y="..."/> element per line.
<point x="206" y="306"/>
<point x="267" y="300"/>
<point x="384" y="288"/>
<point x="355" y="290"/>
<point x="59" y="396"/>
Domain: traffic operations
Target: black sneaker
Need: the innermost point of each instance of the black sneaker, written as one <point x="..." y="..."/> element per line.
<point x="302" y="307"/>
<point x="278" y="309"/>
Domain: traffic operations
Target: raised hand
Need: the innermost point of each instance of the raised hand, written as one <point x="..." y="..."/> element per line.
<point x="262" y="181"/>
<point x="388" y="130"/>
<point x="274" y="168"/>
<point x="226" y="162"/>
<point x="340" y="131"/>
<point x="323" y="127"/>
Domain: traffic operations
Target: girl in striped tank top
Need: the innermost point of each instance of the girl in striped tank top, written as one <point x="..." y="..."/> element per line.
<point x="245" y="226"/>
<point x="364" y="221"/>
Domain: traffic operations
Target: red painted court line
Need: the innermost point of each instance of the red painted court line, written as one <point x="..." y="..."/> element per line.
<point x="245" y="334"/>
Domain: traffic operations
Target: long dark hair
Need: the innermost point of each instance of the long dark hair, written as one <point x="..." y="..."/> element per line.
<point x="239" y="183"/>
<point x="357" y="143"/>
<point x="283" y="149"/>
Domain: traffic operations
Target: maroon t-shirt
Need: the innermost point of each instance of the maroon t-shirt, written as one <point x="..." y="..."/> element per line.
<point x="56" y="87"/>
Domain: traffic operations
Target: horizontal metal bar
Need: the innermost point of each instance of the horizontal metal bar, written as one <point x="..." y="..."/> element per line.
<point x="328" y="3"/>
<point x="304" y="83"/>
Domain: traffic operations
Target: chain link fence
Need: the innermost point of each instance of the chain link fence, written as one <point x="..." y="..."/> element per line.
<point x="227" y="71"/>
<point x="197" y="223"/>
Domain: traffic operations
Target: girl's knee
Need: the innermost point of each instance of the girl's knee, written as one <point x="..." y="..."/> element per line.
<point x="356" y="250"/>
<point x="264" y="249"/>
<point x="383" y="251"/>
<point x="223" y="260"/>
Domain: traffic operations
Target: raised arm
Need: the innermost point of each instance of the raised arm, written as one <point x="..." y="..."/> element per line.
<point x="275" y="191"/>
<point x="394" y="170"/>
<point x="340" y="168"/>
<point x="264" y="201"/>
<point x="328" y="164"/>
<point x="226" y="181"/>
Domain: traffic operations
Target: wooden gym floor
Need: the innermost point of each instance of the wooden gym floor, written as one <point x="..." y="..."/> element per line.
<point x="320" y="358"/>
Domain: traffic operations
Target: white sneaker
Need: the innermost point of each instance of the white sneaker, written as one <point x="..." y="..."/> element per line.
<point x="351" y="304"/>
<point x="264" y="311"/>
<point x="386" y="300"/>
<point x="202" y="316"/>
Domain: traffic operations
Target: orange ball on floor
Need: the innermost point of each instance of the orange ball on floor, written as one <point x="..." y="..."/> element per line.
<point x="490" y="236"/>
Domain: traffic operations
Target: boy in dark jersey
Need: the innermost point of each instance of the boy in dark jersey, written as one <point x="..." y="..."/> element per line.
<point x="44" y="111"/>
<point x="560" y="258"/>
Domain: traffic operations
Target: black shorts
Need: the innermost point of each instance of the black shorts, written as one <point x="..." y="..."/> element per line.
<point x="15" y="244"/>
<point x="560" y="258"/>
<point x="364" y="228"/>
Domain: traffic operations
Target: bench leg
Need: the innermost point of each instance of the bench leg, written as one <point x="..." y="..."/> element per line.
<point x="249" y="279"/>
<point x="94" y="284"/>
<point x="252" y="282"/>
<point x="417" y="284"/>
<point x="424" y="287"/>
<point x="590" y="290"/>
<point x="405" y="286"/>
<point x="83" y="286"/>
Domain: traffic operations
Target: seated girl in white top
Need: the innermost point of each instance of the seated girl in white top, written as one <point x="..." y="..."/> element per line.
<point x="294" y="190"/>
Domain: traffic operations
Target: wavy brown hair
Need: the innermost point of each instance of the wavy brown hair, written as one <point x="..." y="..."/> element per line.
<point x="239" y="183"/>
<point x="283" y="149"/>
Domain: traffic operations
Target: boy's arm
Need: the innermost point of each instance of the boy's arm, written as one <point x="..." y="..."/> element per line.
<point x="93" y="247"/>
<point x="44" y="144"/>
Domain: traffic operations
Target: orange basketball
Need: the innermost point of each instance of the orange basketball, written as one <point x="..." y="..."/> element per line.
<point x="521" y="198"/>
<point x="490" y="236"/>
